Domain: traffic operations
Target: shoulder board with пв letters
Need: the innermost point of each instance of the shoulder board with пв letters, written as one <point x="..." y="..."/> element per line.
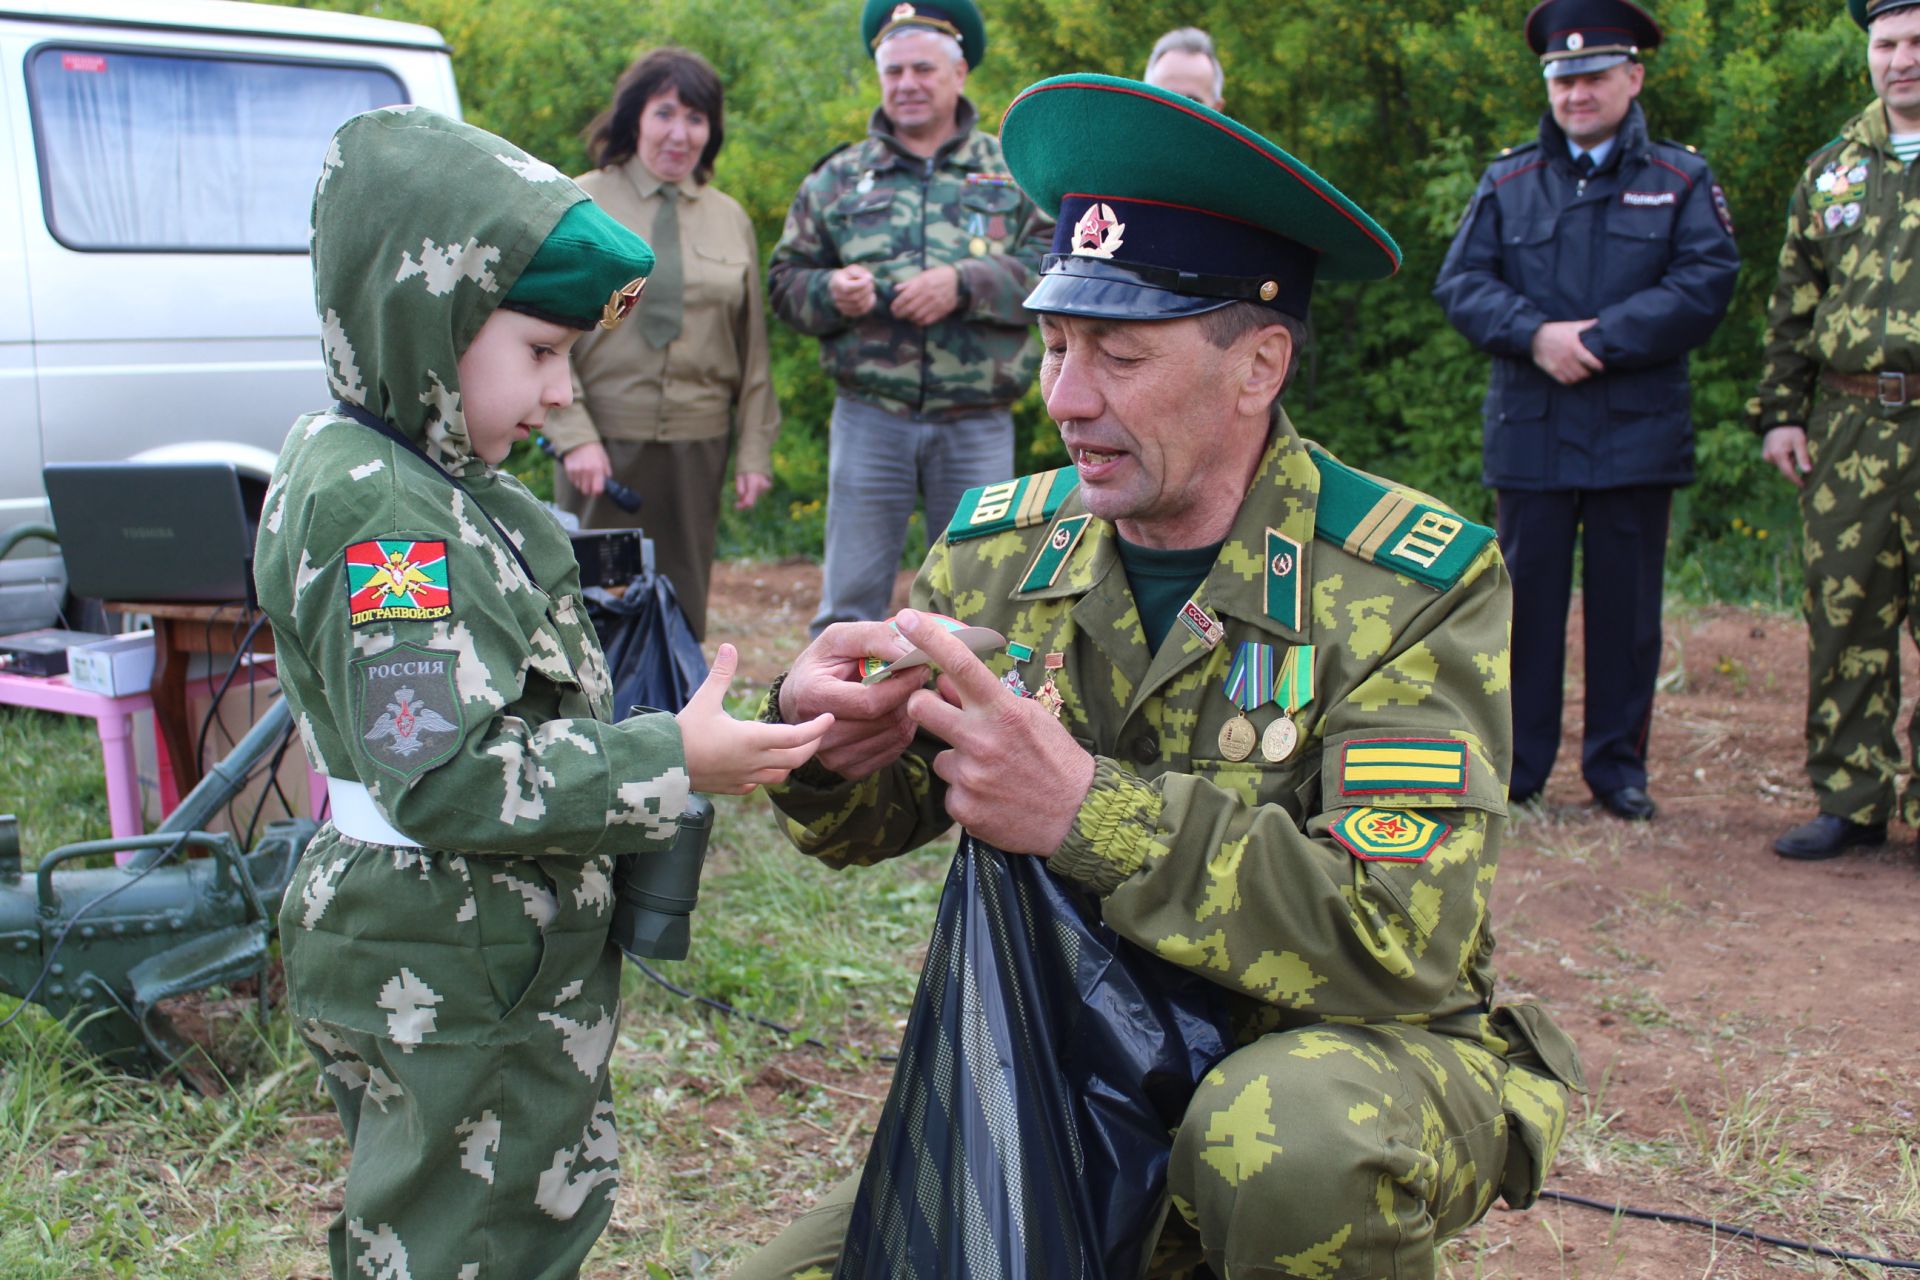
<point x="1011" y="504"/>
<point x="1393" y="528"/>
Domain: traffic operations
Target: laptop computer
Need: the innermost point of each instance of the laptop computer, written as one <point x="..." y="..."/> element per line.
<point x="168" y="531"/>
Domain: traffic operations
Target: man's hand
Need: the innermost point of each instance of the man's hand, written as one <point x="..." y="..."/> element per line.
<point x="731" y="757"/>
<point x="1786" y="448"/>
<point x="852" y="291"/>
<point x="587" y="467"/>
<point x="1561" y="355"/>
<point x="870" y="724"/>
<point x="929" y="297"/>
<point x="749" y="487"/>
<point x="1015" y="777"/>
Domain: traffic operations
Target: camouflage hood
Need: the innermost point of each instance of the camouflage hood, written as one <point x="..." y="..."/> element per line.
<point x="401" y="283"/>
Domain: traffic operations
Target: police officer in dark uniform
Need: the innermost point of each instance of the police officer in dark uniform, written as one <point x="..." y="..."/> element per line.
<point x="1589" y="263"/>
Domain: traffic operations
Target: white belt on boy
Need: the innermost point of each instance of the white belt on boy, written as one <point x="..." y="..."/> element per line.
<point x="355" y="815"/>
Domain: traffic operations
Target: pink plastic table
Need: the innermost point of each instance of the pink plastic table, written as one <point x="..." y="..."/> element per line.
<point x="113" y="719"/>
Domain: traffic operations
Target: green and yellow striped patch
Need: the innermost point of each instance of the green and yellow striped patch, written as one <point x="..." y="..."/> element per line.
<point x="1388" y="835"/>
<point x="1376" y="766"/>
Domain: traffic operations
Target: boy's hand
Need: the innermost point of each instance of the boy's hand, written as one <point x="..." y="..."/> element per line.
<point x="731" y="757"/>
<point x="870" y="724"/>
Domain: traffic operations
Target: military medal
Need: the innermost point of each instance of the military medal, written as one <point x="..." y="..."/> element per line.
<point x="1291" y="691"/>
<point x="1236" y="738"/>
<point x="976" y="229"/>
<point x="1249" y="682"/>
<point x="1048" y="695"/>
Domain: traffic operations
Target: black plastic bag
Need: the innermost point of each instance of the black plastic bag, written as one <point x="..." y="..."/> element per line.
<point x="1046" y="1062"/>
<point x="651" y="650"/>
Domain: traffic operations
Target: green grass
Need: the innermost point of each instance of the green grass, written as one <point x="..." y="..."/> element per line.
<point x="52" y="779"/>
<point x="103" y="1175"/>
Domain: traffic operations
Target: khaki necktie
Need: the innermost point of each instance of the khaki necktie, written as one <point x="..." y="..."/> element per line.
<point x="660" y="308"/>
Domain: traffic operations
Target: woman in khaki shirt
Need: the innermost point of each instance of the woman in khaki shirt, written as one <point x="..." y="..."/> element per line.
<point x="658" y="400"/>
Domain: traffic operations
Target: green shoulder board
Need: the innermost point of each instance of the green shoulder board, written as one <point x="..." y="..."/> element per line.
<point x="1394" y="528"/>
<point x="1011" y="504"/>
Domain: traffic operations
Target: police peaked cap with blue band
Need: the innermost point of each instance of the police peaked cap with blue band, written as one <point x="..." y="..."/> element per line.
<point x="1578" y="37"/>
<point x="1865" y="11"/>
<point x="1169" y="209"/>
<point x="957" y="18"/>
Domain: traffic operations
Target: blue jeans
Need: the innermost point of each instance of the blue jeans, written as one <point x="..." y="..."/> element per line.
<point x="879" y="465"/>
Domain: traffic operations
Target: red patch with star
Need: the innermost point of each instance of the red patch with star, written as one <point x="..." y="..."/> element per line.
<point x="397" y="579"/>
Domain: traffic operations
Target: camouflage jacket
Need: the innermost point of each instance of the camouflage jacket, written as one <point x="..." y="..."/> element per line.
<point x="877" y="205"/>
<point x="1348" y="879"/>
<point x="1846" y="299"/>
<point x="454" y="674"/>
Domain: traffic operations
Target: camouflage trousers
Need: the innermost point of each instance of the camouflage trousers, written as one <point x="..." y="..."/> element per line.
<point x="1328" y="1153"/>
<point x="1861" y="509"/>
<point x="462" y="1011"/>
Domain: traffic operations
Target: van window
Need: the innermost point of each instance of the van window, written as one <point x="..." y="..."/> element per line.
<point x="146" y="152"/>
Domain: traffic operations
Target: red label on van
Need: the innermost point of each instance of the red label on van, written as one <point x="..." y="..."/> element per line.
<point x="93" y="62"/>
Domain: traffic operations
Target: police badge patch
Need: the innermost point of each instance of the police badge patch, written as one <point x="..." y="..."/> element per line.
<point x="406" y="709"/>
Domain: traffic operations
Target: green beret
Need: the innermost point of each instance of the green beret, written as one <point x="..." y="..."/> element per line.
<point x="1865" y="11"/>
<point x="957" y="18"/>
<point x="1166" y="208"/>
<point x="586" y="273"/>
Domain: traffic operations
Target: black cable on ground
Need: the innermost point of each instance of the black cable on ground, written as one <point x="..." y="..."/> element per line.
<point x="1621" y="1210"/>
<point x="722" y="1007"/>
<point x="1739" y="1233"/>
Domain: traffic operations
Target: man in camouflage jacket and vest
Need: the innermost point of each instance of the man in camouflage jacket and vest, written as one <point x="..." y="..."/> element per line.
<point x="908" y="255"/>
<point x="1837" y="409"/>
<point x="445" y="934"/>
<point x="1253" y="701"/>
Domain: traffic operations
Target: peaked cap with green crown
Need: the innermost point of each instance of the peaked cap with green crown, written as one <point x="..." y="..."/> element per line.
<point x="957" y="18"/>
<point x="1168" y="209"/>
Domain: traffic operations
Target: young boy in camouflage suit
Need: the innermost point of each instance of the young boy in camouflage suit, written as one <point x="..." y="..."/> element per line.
<point x="445" y="936"/>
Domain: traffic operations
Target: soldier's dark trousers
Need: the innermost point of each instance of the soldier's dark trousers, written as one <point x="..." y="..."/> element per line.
<point x="1861" y="508"/>
<point x="1333" y="1152"/>
<point x="1623" y="537"/>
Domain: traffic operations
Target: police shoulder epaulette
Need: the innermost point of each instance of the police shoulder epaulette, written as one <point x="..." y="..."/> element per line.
<point x="830" y="155"/>
<point x="1678" y="145"/>
<point x="1393" y="527"/>
<point x="1519" y="148"/>
<point x="1011" y="504"/>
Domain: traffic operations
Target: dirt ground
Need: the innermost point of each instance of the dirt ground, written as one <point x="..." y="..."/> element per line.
<point x="1747" y="1024"/>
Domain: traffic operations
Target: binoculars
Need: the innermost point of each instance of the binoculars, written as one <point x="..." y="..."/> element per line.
<point x="654" y="893"/>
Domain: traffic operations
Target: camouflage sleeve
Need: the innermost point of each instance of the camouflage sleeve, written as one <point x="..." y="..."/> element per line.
<point x="467" y="714"/>
<point x="1784" y="396"/>
<point x="1681" y="311"/>
<point x="1477" y="298"/>
<point x="1372" y="904"/>
<point x="998" y="283"/>
<point x="899" y="808"/>
<point x="802" y="261"/>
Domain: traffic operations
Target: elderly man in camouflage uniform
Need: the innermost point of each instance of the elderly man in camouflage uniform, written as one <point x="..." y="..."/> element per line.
<point x="446" y="933"/>
<point x="1253" y="700"/>
<point x="908" y="255"/>
<point x="1837" y="409"/>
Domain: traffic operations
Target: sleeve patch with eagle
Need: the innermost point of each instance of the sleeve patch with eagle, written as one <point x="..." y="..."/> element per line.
<point x="409" y="717"/>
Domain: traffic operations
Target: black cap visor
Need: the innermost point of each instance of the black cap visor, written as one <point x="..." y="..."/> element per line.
<point x="1110" y="290"/>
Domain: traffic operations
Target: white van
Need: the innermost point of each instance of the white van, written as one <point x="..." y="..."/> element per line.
<point x="157" y="161"/>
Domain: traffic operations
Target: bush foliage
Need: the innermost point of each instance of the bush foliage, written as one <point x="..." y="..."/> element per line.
<point x="1400" y="103"/>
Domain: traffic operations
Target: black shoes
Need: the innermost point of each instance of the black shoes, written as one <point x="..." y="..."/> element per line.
<point x="1828" y="836"/>
<point x="1630" y="804"/>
